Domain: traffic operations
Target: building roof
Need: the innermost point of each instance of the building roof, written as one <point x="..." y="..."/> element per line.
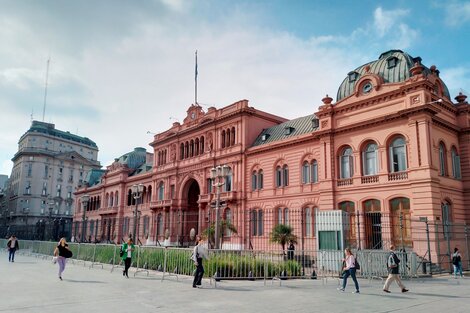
<point x="144" y="168"/>
<point x="94" y="177"/>
<point x="49" y="129"/>
<point x="292" y="128"/>
<point x="133" y="159"/>
<point x="398" y="73"/>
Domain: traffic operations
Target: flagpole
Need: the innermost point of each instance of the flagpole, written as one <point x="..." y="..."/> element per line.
<point x="195" y="81"/>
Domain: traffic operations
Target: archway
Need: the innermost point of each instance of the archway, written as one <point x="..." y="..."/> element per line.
<point x="190" y="218"/>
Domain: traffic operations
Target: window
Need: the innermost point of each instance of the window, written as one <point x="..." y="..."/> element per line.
<point x="446" y="222"/>
<point x="442" y="159"/>
<point x="455" y="164"/>
<point x="279" y="216"/>
<point x="285" y="173"/>
<point x="30" y="169"/>
<point x="44" y="189"/>
<point x="172" y="191"/>
<point x="346" y="163"/>
<point x="286" y="216"/>
<point x="314" y="171"/>
<point x="223" y="138"/>
<point x="228" y="220"/>
<point x="46" y="171"/>
<point x="260" y="223"/>
<point x="254" y="180"/>
<point x="69" y="195"/>
<point x="146" y="225"/>
<point x="278" y="176"/>
<point x="392" y="62"/>
<point x="369" y="159"/>
<point x="159" y="225"/>
<point x="352" y="76"/>
<point x="257" y="222"/>
<point x="308" y="222"/>
<point x="398" y="155"/>
<point x="59" y="189"/>
<point x="27" y="190"/>
<point x="161" y="191"/>
<point x="228" y="181"/>
<point x="305" y="173"/>
<point x="116" y="200"/>
<point x="260" y="179"/>
<point x="209" y="185"/>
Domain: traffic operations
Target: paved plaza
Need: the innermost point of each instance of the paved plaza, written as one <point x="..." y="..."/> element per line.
<point x="31" y="285"/>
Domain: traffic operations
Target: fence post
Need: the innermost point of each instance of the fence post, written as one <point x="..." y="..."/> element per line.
<point x="164" y="263"/>
<point x="447" y="234"/>
<point x="438" y="247"/>
<point x="358" y="229"/>
<point x="429" y="245"/>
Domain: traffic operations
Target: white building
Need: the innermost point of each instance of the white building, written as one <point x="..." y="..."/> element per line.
<point x="48" y="166"/>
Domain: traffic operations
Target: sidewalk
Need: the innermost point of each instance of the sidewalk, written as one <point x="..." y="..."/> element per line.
<point x="32" y="285"/>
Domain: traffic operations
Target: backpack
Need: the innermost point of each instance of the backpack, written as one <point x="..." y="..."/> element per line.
<point x="356" y="264"/>
<point x="456" y="259"/>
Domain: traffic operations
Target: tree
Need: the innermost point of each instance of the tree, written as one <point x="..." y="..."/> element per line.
<point x="224" y="226"/>
<point x="282" y="234"/>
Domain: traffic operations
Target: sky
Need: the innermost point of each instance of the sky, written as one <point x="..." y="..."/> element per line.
<point x="121" y="69"/>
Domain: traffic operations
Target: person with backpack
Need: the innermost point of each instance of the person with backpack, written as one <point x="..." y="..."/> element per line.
<point x="127" y="253"/>
<point x="12" y="246"/>
<point x="199" y="253"/>
<point x="457" y="262"/>
<point x="393" y="267"/>
<point x="350" y="267"/>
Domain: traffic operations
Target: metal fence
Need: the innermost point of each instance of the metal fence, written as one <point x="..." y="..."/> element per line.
<point x="253" y="236"/>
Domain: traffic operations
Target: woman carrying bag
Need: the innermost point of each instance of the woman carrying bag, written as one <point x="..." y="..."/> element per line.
<point x="349" y="270"/>
<point x="62" y="252"/>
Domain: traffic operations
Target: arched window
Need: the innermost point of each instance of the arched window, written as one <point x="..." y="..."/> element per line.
<point x="149" y="193"/>
<point x="146" y="226"/>
<point x="446" y="219"/>
<point x="161" y="191"/>
<point x="227" y="140"/>
<point x="228" y="220"/>
<point x="260" y="179"/>
<point x="278" y="176"/>
<point x="398" y="155"/>
<point x="286" y="216"/>
<point x="285" y="174"/>
<point x="196" y="146"/>
<point x="111" y="199"/>
<point x="308" y="222"/>
<point x="442" y="159"/>
<point x="305" y="173"/>
<point x="254" y="223"/>
<point x="346" y="163"/>
<point x="369" y="159"/>
<point x="129" y="197"/>
<point x="233" y="136"/>
<point x="279" y="216"/>
<point x="186" y="150"/>
<point x="254" y="180"/>
<point x="348" y="206"/>
<point x="201" y="143"/>
<point x="181" y="151"/>
<point x="116" y="200"/>
<point x="191" y="148"/>
<point x="314" y="178"/>
<point x="401" y="221"/>
<point x="455" y="164"/>
<point x="159" y="225"/>
<point x="228" y="181"/>
<point x="223" y="139"/>
<point x="106" y="199"/>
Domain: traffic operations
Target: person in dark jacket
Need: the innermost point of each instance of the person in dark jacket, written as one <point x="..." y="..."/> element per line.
<point x="393" y="263"/>
<point x="12" y="246"/>
<point x="290" y="250"/>
<point x="62" y="252"/>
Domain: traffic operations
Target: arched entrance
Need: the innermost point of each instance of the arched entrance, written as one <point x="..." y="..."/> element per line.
<point x="190" y="214"/>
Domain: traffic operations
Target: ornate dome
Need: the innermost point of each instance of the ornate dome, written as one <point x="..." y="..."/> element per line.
<point x="393" y="66"/>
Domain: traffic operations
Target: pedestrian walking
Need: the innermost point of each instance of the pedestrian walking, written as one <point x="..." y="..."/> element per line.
<point x="457" y="262"/>
<point x="199" y="253"/>
<point x="12" y="246"/>
<point x="349" y="269"/>
<point x="62" y="252"/>
<point x="290" y="250"/>
<point x="393" y="267"/>
<point x="127" y="253"/>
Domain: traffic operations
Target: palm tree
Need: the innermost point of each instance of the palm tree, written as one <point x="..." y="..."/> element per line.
<point x="282" y="234"/>
<point x="224" y="226"/>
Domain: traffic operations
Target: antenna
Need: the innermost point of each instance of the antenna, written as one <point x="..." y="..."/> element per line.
<point x="150" y="133"/>
<point x="174" y="118"/>
<point x="32" y="114"/>
<point x="45" y="90"/>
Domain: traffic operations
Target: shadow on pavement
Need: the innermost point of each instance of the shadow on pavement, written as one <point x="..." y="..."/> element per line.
<point x="85" y="281"/>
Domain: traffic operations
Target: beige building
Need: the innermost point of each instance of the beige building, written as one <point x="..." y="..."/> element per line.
<point x="48" y="166"/>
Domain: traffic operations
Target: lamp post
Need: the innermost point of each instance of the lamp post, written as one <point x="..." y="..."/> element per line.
<point x="84" y="199"/>
<point x="218" y="175"/>
<point x="137" y="193"/>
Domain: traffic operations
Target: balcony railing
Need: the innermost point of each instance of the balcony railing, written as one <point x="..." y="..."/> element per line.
<point x="369" y="179"/>
<point x="161" y="203"/>
<point x="344" y="182"/>
<point x="397" y="176"/>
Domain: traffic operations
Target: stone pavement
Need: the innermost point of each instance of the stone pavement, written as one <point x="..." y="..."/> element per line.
<point x="31" y="285"/>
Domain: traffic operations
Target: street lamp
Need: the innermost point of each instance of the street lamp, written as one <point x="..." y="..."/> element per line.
<point x="218" y="176"/>
<point x="137" y="193"/>
<point x="84" y="199"/>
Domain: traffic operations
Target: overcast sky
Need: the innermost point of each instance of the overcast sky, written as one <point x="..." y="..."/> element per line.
<point x="121" y="68"/>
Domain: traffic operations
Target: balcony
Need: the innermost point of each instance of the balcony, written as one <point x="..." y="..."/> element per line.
<point x="108" y="210"/>
<point x="397" y="176"/>
<point x="161" y="203"/>
<point x="369" y="179"/>
<point x="344" y="182"/>
<point x="230" y="196"/>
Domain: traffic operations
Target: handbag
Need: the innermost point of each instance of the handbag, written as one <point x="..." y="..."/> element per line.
<point x="54" y="260"/>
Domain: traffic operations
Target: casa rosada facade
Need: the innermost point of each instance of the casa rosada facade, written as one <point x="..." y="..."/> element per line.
<point x="392" y="150"/>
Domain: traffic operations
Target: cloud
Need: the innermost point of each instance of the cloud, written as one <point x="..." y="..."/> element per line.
<point x="385" y="20"/>
<point x="456" y="78"/>
<point x="457" y="13"/>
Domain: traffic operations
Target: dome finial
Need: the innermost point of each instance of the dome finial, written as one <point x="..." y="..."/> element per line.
<point x="461" y="98"/>
<point x="327" y="100"/>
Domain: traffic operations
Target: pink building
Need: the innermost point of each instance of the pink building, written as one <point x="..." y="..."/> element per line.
<point x="392" y="151"/>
